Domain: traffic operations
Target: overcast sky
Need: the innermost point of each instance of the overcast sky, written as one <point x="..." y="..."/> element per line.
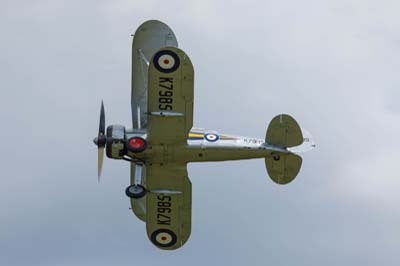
<point x="333" y="65"/>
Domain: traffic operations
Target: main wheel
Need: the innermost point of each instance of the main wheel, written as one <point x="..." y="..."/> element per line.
<point x="135" y="191"/>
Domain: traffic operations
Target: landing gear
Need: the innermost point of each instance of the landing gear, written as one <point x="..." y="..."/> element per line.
<point x="135" y="191"/>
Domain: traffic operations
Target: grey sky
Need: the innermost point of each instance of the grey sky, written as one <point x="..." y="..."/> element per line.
<point x="333" y="65"/>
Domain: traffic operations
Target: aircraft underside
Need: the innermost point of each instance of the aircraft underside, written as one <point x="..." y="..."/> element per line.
<point x="162" y="140"/>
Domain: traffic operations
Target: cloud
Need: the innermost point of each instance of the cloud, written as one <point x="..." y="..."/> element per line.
<point x="373" y="179"/>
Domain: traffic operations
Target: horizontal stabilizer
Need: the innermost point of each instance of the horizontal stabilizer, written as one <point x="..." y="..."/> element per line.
<point x="283" y="168"/>
<point x="283" y="131"/>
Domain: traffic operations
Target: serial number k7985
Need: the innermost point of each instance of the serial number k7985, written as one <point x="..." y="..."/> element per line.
<point x="165" y="93"/>
<point x="164" y="206"/>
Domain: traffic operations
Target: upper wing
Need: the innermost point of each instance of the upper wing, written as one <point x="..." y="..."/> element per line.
<point x="169" y="205"/>
<point x="148" y="39"/>
<point x="170" y="97"/>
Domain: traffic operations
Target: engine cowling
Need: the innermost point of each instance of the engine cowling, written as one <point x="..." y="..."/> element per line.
<point x="119" y="142"/>
<point x="115" y="145"/>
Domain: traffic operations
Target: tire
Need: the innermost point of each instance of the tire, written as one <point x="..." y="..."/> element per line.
<point x="135" y="191"/>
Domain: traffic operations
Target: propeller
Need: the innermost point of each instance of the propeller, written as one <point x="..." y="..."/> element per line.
<point x="100" y="141"/>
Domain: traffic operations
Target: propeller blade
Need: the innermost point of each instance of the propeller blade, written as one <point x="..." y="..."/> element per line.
<point x="102" y="126"/>
<point x="100" y="157"/>
<point x="100" y="141"/>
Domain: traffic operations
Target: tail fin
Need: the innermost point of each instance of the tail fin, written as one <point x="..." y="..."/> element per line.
<point x="307" y="145"/>
<point x="284" y="132"/>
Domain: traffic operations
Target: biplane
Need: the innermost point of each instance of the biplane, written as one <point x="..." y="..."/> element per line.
<point x="162" y="139"/>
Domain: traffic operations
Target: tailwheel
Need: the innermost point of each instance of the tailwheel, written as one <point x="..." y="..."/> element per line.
<point x="135" y="191"/>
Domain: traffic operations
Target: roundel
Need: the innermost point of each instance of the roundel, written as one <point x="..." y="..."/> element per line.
<point x="163" y="238"/>
<point x="211" y="137"/>
<point x="166" y="61"/>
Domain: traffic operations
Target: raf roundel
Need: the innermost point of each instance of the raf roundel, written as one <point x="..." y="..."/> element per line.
<point x="211" y="137"/>
<point x="166" y="61"/>
<point x="163" y="238"/>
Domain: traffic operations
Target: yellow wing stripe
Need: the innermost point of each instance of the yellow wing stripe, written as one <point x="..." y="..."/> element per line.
<point x="194" y="135"/>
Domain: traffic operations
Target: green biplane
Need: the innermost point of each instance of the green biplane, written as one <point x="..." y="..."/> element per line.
<point x="162" y="140"/>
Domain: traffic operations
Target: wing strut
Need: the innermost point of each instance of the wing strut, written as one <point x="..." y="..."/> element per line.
<point x="139" y="124"/>
<point x="143" y="57"/>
